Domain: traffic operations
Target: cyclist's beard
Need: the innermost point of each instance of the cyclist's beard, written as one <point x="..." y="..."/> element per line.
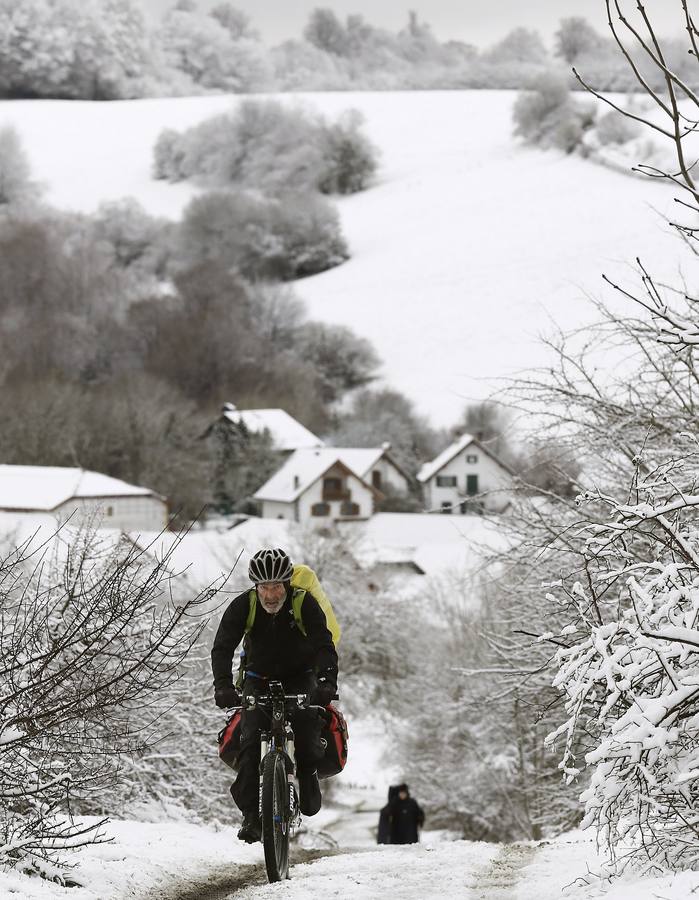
<point x="272" y="606"/>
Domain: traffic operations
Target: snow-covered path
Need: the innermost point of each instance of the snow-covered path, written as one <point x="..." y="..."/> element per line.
<point x="185" y="862"/>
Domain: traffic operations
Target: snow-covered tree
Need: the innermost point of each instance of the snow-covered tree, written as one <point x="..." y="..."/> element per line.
<point x="92" y="633"/>
<point x="575" y="37"/>
<point x="97" y="50"/>
<point x="325" y="31"/>
<point x="211" y="53"/>
<point x="16" y="184"/>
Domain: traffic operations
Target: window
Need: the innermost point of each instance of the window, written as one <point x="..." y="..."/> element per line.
<point x="446" y="507"/>
<point x="471" y="485"/>
<point x="297" y="481"/>
<point x="349" y="509"/>
<point x="376" y="479"/>
<point x="471" y="457"/>
<point x="110" y="510"/>
<point x="446" y="481"/>
<point x="320" y="509"/>
<point x="334" y="489"/>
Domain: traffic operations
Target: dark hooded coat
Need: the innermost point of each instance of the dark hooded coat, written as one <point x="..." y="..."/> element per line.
<point x="400" y="819"/>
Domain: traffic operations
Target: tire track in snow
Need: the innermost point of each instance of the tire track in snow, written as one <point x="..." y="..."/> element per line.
<point x="498" y="879"/>
<point x="224" y="882"/>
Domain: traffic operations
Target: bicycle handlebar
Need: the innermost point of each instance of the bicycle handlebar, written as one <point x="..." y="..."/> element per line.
<point x="301" y="700"/>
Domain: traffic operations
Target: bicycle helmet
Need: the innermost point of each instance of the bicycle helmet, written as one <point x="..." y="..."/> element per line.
<point x="270" y="565"/>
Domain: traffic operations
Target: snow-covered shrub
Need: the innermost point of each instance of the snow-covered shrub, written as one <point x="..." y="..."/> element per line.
<point x="137" y="241"/>
<point x="631" y="678"/>
<point x="549" y="116"/>
<point x="16" y="185"/>
<point x="168" y="156"/>
<point x="92" y="638"/>
<point x="613" y="128"/>
<point x="95" y="51"/>
<point x="629" y="573"/>
<point x="343" y="360"/>
<point x="271" y="147"/>
<point x="278" y="239"/>
<point x="210" y="53"/>
<point x="349" y="158"/>
<point x="299" y="65"/>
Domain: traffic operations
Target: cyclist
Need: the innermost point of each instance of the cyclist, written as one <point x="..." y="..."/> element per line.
<point x="275" y="650"/>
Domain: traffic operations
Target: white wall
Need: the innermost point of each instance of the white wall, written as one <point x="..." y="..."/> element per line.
<point x="491" y="477"/>
<point x="141" y="513"/>
<point x="389" y="475"/>
<point x="360" y="495"/>
<point x="300" y="511"/>
<point x="273" y="509"/>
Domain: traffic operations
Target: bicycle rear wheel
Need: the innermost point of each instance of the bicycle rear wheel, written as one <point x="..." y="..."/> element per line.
<point x="275" y="816"/>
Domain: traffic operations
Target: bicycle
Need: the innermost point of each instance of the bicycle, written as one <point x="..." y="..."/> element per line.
<point x="279" y="809"/>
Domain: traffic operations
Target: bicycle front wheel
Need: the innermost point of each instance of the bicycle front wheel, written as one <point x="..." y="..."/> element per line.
<point x="275" y="816"/>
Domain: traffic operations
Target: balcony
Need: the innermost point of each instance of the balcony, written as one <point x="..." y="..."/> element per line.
<point x="335" y="494"/>
<point x="334" y="489"/>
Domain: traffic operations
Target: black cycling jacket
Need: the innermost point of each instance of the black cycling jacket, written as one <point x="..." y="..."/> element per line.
<point x="276" y="648"/>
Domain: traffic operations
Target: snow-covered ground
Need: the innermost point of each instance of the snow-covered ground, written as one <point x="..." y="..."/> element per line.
<point x="466" y="249"/>
<point x="172" y="861"/>
<point x="337" y="856"/>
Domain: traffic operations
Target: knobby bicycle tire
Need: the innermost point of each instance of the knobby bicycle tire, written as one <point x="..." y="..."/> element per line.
<point x="275" y="816"/>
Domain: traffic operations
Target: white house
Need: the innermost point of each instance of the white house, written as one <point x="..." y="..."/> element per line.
<point x="376" y="466"/>
<point x="80" y="495"/>
<point x="465" y="477"/>
<point x="286" y="432"/>
<point x="316" y="486"/>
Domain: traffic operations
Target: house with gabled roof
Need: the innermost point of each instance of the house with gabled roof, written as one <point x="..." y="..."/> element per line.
<point x="80" y="495"/>
<point x="376" y="466"/>
<point x="465" y="477"/>
<point x="286" y="432"/>
<point x="316" y="487"/>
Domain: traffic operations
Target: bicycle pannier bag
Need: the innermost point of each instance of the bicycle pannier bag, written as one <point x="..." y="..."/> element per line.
<point x="336" y="736"/>
<point x="229" y="741"/>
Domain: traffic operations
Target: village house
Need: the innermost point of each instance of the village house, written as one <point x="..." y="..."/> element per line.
<point x="318" y="486"/>
<point x="80" y="496"/>
<point x="466" y="477"/>
<point x="286" y="433"/>
<point x="376" y="466"/>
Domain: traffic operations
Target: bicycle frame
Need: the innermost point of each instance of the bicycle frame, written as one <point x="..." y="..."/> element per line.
<point x="279" y="809"/>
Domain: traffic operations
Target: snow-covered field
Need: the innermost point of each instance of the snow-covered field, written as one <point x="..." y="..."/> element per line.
<point x="465" y="250"/>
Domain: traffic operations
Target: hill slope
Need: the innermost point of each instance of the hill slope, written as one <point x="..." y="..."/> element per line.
<point x="462" y="253"/>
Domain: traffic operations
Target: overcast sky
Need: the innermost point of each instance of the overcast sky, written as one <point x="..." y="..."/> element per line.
<point x="479" y="22"/>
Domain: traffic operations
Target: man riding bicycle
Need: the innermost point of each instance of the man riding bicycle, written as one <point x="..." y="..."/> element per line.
<point x="276" y="649"/>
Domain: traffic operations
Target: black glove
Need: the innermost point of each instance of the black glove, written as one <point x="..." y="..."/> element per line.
<point x="225" y="697"/>
<point x="325" y="690"/>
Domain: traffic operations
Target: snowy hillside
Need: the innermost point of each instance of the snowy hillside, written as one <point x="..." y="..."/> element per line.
<point x="463" y="252"/>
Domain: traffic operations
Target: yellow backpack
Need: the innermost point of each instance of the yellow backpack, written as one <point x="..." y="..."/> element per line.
<point x="306" y="579"/>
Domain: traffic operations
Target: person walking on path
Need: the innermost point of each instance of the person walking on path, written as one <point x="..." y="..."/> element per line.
<point x="401" y="818"/>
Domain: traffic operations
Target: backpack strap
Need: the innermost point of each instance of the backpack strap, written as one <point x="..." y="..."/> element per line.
<point x="251" y="612"/>
<point x="297" y="599"/>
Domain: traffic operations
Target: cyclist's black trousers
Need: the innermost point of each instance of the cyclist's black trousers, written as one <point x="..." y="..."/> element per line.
<point x="307" y="728"/>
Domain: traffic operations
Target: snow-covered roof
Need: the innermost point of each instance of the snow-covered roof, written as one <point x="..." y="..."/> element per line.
<point x="437" y="544"/>
<point x="304" y="467"/>
<point x="46" y="487"/>
<point x="286" y="432"/>
<point x="431" y="468"/>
